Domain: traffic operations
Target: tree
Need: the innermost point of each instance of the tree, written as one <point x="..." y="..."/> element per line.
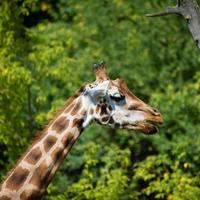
<point x="189" y="10"/>
<point x="62" y="39"/>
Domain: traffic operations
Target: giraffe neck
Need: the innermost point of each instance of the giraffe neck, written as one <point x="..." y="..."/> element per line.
<point x="31" y="176"/>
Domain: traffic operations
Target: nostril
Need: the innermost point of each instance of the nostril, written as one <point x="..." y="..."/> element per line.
<point x="155" y="111"/>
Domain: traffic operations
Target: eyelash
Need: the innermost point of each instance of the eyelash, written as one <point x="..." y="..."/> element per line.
<point x="117" y="99"/>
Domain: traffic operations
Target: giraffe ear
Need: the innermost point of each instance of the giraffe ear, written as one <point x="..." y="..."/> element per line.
<point x="100" y="71"/>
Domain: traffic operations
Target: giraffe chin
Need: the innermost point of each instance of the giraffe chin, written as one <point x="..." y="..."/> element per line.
<point x="149" y="128"/>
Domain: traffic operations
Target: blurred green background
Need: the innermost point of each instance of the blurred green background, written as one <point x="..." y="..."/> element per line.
<point x="46" y="52"/>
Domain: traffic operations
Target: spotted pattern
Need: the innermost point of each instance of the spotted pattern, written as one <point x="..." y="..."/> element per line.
<point x="39" y="177"/>
<point x="67" y="139"/>
<point x="78" y="123"/>
<point x="49" y="142"/>
<point x="91" y="111"/>
<point x="33" y="156"/>
<point x="103" y="110"/>
<point x="110" y="107"/>
<point x="56" y="154"/>
<point x="60" y="124"/>
<point x="5" y="198"/>
<point x="105" y="119"/>
<point x="17" y="179"/>
<point x="111" y="120"/>
<point x="30" y="195"/>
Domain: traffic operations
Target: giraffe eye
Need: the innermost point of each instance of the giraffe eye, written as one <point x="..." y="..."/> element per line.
<point x="117" y="98"/>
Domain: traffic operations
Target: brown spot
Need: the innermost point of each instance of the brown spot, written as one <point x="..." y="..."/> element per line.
<point x="110" y="107"/>
<point x="33" y="156"/>
<point x="111" y="120"/>
<point x="76" y="108"/>
<point x="117" y="125"/>
<point x="49" y="142"/>
<point x="30" y="195"/>
<point x="60" y="124"/>
<point x="78" y="123"/>
<point x="105" y="119"/>
<point x="67" y="139"/>
<point x="40" y="175"/>
<point x="91" y="111"/>
<point x="18" y="177"/>
<point x="103" y="110"/>
<point x="57" y="153"/>
<point x="5" y="198"/>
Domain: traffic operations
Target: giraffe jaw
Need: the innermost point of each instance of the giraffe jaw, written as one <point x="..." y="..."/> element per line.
<point x="149" y="124"/>
<point x="148" y="127"/>
<point x="145" y="127"/>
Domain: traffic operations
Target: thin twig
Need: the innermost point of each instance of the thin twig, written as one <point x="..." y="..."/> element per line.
<point x="168" y="11"/>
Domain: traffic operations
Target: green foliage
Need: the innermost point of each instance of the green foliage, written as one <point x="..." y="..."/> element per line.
<point x="111" y="180"/>
<point x="14" y="80"/>
<point x="174" y="175"/>
<point x="46" y="50"/>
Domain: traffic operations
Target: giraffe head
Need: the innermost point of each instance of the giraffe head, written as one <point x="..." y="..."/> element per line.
<point x="111" y="103"/>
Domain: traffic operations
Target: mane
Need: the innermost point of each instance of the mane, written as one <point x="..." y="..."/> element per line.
<point x="40" y="134"/>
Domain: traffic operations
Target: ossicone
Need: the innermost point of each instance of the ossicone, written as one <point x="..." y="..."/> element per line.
<point x="100" y="71"/>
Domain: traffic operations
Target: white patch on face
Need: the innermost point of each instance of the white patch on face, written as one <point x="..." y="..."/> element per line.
<point x="137" y="116"/>
<point x="97" y="92"/>
<point x="131" y="118"/>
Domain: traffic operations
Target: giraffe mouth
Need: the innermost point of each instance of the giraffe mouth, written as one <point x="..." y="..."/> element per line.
<point x="149" y="128"/>
<point x="145" y="127"/>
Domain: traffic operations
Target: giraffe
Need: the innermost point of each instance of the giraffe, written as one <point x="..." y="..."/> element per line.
<point x="108" y="102"/>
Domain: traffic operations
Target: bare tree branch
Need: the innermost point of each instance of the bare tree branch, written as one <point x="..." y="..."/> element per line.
<point x="168" y="11"/>
<point x="189" y="10"/>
